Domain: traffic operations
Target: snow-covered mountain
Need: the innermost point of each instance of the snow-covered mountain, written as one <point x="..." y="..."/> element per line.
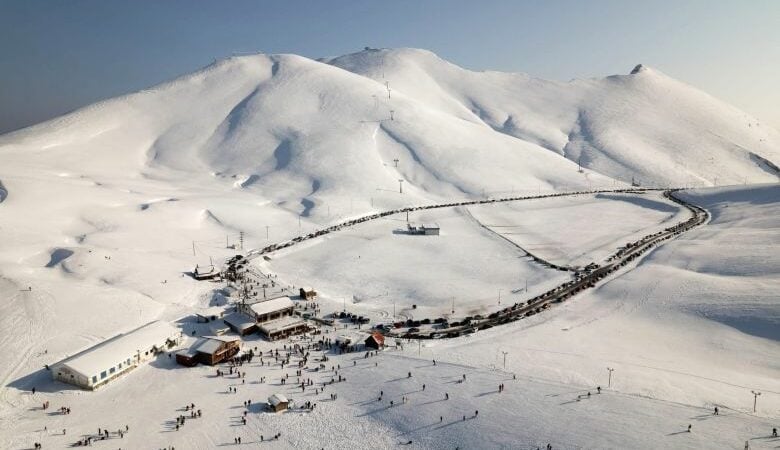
<point x="299" y="130"/>
<point x="104" y="211"/>
<point x="644" y="124"/>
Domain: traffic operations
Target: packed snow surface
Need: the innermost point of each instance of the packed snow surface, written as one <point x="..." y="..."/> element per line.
<point x="104" y="212"/>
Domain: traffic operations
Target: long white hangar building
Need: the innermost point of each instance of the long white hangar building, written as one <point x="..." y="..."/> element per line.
<point x="99" y="364"/>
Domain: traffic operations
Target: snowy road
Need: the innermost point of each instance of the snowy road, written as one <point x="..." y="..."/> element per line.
<point x="583" y="279"/>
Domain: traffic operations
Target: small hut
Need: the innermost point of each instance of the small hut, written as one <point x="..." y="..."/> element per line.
<point x="308" y="293"/>
<point x="375" y="341"/>
<point x="205" y="273"/>
<point x="278" y="402"/>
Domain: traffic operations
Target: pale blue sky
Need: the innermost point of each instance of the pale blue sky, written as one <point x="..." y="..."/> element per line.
<point x="56" y="56"/>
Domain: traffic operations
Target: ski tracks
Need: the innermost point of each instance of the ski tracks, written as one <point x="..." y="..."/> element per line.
<point x="23" y="317"/>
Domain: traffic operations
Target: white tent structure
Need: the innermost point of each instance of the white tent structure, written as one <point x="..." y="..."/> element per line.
<point x="99" y="364"/>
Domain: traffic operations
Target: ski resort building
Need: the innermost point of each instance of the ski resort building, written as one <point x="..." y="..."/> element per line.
<point x="267" y="310"/>
<point x="106" y="361"/>
<point x="210" y="314"/>
<point x="375" y="341"/>
<point x="209" y="350"/>
<point x="282" y="328"/>
<point x="429" y="229"/>
<point x="205" y="273"/>
<point x="308" y="293"/>
<point x="240" y="323"/>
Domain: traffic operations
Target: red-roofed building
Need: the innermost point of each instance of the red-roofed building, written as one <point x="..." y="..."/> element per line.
<point x="375" y="341"/>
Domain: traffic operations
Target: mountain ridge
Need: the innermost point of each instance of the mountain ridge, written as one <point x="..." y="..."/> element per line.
<point x="289" y="123"/>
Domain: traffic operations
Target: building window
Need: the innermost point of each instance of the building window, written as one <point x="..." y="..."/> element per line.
<point x="102" y="374"/>
<point x="94" y="378"/>
<point x="128" y="360"/>
<point x="112" y="370"/>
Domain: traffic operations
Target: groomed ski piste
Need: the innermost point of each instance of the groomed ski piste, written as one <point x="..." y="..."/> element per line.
<point x="104" y="212"/>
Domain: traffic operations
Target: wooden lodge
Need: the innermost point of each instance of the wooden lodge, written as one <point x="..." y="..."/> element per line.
<point x="209" y="350"/>
<point x="278" y="402"/>
<point x="375" y="341"/>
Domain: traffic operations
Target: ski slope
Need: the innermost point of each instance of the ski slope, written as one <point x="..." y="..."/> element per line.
<point x="104" y="211"/>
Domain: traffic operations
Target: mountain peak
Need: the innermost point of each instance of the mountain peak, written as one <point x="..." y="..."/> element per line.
<point x="639" y="69"/>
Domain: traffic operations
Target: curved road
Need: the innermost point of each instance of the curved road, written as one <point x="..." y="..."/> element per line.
<point x="583" y="280"/>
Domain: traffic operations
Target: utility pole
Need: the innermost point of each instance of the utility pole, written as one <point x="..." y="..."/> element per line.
<point x="396" y="162"/>
<point x="499" y="296"/>
<point x="526" y="285"/>
<point x="609" y="383"/>
<point x="407" y="216"/>
<point x="193" y="248"/>
<point x="453" y="305"/>
<point x="505" y="353"/>
<point x="400" y="186"/>
<point x="391" y="114"/>
<point x="755" y="398"/>
<point x="227" y="241"/>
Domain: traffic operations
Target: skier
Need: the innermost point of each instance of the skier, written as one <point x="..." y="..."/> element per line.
<point x="774" y="432"/>
<point x="689" y="428"/>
